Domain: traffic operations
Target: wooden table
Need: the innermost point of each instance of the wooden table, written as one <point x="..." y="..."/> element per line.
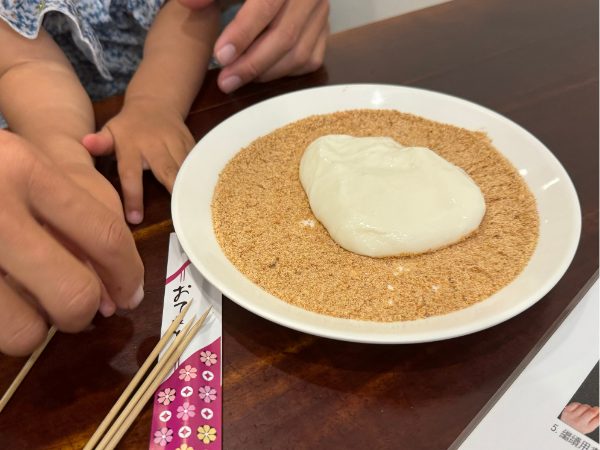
<point x="535" y="62"/>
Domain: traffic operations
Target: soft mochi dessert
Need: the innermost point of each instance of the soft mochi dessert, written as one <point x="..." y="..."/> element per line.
<point x="378" y="198"/>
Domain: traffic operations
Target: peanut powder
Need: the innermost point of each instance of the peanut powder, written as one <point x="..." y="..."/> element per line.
<point x="265" y="226"/>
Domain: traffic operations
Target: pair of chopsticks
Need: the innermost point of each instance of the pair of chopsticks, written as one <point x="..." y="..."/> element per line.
<point x="103" y="439"/>
<point x="107" y="436"/>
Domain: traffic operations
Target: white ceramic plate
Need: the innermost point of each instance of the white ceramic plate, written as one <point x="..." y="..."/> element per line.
<point x="560" y="215"/>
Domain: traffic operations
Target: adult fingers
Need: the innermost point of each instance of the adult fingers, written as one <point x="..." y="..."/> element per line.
<point x="22" y="329"/>
<point x="100" y="143"/>
<point x="130" y="173"/>
<point x="101" y="234"/>
<point x="107" y="307"/>
<point x="67" y="290"/>
<point x="318" y="55"/>
<point x="308" y="53"/>
<point x="272" y="45"/>
<point x="279" y="39"/>
<point x="251" y="20"/>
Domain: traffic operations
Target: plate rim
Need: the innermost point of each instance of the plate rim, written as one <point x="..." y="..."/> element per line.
<point x="371" y="337"/>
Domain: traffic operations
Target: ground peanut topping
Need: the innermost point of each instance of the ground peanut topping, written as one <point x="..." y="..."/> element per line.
<point x="265" y="226"/>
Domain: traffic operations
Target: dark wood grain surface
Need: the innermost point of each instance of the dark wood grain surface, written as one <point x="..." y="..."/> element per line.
<point x="536" y="63"/>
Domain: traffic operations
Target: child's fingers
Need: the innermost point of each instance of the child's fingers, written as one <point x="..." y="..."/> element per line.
<point x="164" y="167"/>
<point x="180" y="149"/>
<point x="100" y="143"/>
<point x="130" y="174"/>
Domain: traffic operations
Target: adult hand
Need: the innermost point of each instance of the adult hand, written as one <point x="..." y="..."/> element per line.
<point x="269" y="39"/>
<point x="62" y="251"/>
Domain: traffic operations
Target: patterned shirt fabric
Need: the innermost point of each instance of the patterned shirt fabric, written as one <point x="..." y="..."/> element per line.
<point x="103" y="39"/>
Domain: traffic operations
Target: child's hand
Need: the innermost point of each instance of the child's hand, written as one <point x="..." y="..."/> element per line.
<point x="145" y="134"/>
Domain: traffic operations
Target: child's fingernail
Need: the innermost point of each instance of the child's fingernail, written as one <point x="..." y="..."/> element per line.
<point x="134" y="217"/>
<point x="137" y="297"/>
<point x="226" y="54"/>
<point x="231" y="84"/>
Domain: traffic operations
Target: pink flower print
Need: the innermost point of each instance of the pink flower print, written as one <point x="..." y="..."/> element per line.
<point x="207" y="394"/>
<point x="209" y="358"/>
<point x="186" y="411"/>
<point x="163" y="436"/>
<point x="167" y="396"/>
<point x="187" y="373"/>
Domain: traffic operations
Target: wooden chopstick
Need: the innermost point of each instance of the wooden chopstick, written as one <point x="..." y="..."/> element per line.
<point x="122" y="424"/>
<point x="136" y="379"/>
<point x="140" y="390"/>
<point x="25" y="369"/>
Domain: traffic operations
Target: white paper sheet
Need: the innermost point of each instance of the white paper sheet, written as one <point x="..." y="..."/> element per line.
<point x="527" y="415"/>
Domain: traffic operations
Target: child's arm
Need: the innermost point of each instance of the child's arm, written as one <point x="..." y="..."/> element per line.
<point x="176" y="54"/>
<point x="42" y="98"/>
<point x="150" y="129"/>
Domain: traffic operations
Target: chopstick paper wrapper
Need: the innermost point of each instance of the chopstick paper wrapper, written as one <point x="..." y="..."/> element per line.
<point x="187" y="405"/>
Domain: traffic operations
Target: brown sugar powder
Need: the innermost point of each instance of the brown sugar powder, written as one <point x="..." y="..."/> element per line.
<point x="264" y="224"/>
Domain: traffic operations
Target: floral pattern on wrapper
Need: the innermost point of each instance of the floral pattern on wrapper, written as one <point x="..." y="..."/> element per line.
<point x="187" y="407"/>
<point x="208" y="358"/>
<point x="187" y="373"/>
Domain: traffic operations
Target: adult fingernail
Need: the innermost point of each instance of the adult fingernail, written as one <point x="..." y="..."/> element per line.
<point x="137" y="297"/>
<point x="226" y="54"/>
<point x="134" y="217"/>
<point x="107" y="307"/>
<point x="231" y="84"/>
